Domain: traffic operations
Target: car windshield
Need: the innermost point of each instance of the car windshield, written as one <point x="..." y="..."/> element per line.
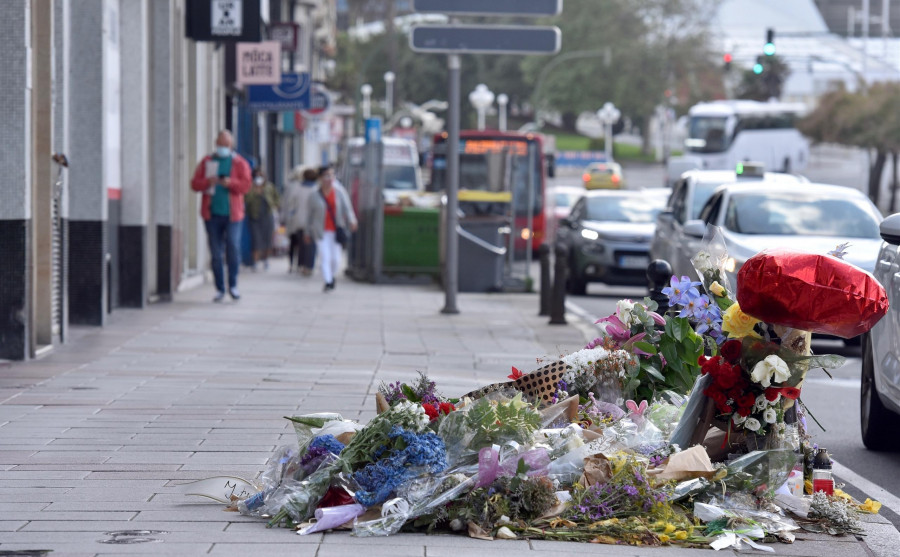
<point x="601" y="170"/>
<point x="399" y="177"/>
<point x="800" y="214"/>
<point x="702" y="192"/>
<point x="624" y="209"/>
<point x="565" y="199"/>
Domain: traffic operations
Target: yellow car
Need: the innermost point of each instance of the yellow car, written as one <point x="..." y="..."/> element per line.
<point x="603" y="175"/>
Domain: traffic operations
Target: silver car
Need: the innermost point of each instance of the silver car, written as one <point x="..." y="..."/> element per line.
<point x="879" y="401"/>
<point x="814" y="218"/>
<point x="608" y="235"/>
<point x="689" y="194"/>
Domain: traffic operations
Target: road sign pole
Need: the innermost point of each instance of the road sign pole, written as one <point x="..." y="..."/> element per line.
<point x="451" y="265"/>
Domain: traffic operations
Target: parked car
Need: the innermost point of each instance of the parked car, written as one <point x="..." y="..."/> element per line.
<point x="814" y="218"/>
<point x="879" y="393"/>
<point x="608" y="235"/>
<point x="603" y="175"/>
<point x="560" y="200"/>
<point x="400" y="167"/>
<point x="689" y="195"/>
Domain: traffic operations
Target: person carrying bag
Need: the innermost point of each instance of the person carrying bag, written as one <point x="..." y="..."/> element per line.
<point x="331" y="219"/>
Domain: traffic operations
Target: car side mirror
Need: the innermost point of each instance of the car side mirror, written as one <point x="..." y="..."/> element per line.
<point x="666" y="216"/>
<point x="695" y="228"/>
<point x="568" y="222"/>
<point x="890" y="229"/>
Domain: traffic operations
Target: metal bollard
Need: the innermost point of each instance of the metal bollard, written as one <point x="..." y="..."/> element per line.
<point x="658" y="274"/>
<point x="546" y="286"/>
<point x="558" y="297"/>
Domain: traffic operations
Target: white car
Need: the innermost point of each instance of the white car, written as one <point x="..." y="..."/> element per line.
<point x="689" y="195"/>
<point x="814" y="218"/>
<point x="879" y="401"/>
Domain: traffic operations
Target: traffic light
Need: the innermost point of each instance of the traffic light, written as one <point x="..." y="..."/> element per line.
<point x="758" y="66"/>
<point x="769" y="48"/>
<point x="727" y="59"/>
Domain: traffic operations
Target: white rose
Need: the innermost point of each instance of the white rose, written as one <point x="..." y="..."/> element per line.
<point x="772" y="365"/>
<point x="625" y="312"/>
<point x="774" y="402"/>
<point x="770" y="415"/>
<point x="738" y="419"/>
<point x="780" y="368"/>
<point x="761" y="374"/>
<point x="752" y="424"/>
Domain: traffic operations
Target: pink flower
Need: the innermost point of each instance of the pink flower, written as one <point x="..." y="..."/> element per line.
<point x="657" y="318"/>
<point x="615" y="328"/>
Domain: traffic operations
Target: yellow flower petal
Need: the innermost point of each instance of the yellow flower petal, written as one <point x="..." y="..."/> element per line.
<point x="681" y="535"/>
<point x="669" y="529"/>
<point x="664" y="538"/>
<point x="870" y="506"/>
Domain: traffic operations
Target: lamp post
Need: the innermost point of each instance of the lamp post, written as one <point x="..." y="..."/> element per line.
<point x="481" y="98"/>
<point x="366" y="91"/>
<point x="388" y="94"/>
<point x="502" y="101"/>
<point x="608" y="115"/>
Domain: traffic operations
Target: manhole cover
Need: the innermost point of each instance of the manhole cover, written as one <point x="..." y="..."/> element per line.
<point x="129" y="539"/>
<point x="24" y="552"/>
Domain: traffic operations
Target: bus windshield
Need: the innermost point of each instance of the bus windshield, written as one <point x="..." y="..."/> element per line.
<point x="708" y="134"/>
<point x="492" y="165"/>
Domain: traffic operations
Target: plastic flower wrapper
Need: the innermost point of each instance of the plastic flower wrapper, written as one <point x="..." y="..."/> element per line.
<point x="331" y="517"/>
<point x="308" y="426"/>
<point x="665" y="412"/>
<point x="494" y="419"/>
<point x="494" y="462"/>
<point x="712" y="264"/>
<point x="299" y="501"/>
<point x="732" y="527"/>
<point x="759" y="472"/>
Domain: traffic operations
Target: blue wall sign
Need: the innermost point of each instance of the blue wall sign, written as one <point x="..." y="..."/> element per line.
<point x="293" y="93"/>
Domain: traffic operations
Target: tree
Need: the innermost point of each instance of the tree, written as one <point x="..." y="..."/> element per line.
<point x="869" y="119"/>
<point x="768" y="84"/>
<point x="643" y="48"/>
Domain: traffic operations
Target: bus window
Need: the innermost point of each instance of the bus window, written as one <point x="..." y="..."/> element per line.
<point x="708" y="134"/>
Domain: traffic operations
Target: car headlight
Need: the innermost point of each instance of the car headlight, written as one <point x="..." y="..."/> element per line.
<point x="589" y="234"/>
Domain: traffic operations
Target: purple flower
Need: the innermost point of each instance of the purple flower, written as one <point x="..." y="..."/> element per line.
<point x="680" y="290"/>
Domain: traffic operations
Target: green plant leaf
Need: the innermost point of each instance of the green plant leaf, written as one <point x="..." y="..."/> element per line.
<point x="653" y="372"/>
<point x="645" y="346"/>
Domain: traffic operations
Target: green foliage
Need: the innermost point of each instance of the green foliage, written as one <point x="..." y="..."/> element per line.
<point x="766" y="85"/>
<point x="498" y="422"/>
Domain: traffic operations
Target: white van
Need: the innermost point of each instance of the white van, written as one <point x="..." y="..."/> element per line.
<point x="402" y="175"/>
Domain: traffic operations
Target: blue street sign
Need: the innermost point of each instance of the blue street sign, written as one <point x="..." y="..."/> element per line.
<point x="373" y="130"/>
<point x="293" y="93"/>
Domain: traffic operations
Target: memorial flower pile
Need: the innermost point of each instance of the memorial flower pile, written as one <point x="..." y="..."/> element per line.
<point x="614" y="443"/>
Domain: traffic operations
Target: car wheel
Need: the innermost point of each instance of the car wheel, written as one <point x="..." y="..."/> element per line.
<point x="877" y="424"/>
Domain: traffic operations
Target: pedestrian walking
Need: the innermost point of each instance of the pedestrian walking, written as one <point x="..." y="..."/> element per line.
<point x="295" y="209"/>
<point x="262" y="201"/>
<point x="331" y="220"/>
<point x="223" y="177"/>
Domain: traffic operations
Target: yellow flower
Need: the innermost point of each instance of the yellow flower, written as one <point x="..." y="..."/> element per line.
<point x="664" y="538"/>
<point x="681" y="535"/>
<point x="807" y="487"/>
<point x="870" y="506"/>
<point x="842" y="494"/>
<point x="737" y="323"/>
<point x="717" y="288"/>
<point x="669" y="528"/>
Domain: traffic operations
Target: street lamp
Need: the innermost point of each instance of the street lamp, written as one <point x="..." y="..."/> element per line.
<point x="502" y="101"/>
<point x="608" y="115"/>
<point x="481" y="98"/>
<point x="388" y="94"/>
<point x="366" y="91"/>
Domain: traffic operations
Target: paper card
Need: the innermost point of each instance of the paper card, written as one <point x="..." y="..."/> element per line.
<point x="224" y="489"/>
<point x="212" y="168"/>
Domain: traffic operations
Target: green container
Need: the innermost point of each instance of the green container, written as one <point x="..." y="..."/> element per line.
<point x="411" y="240"/>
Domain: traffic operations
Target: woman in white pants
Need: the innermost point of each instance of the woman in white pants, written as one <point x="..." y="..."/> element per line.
<point x="329" y="211"/>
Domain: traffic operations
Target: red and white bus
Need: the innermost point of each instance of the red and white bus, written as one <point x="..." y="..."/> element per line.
<point x="493" y="172"/>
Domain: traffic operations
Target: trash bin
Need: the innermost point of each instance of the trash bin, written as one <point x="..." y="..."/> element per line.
<point x="481" y="254"/>
<point x="411" y="240"/>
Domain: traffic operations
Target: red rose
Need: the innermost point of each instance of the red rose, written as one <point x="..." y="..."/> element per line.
<point x="710" y="365"/>
<point x="746" y="401"/>
<point x="744" y="412"/>
<point x="702" y="360"/>
<point x="772" y="394"/>
<point x="727" y="377"/>
<point x="335" y="497"/>
<point x="446" y="408"/>
<point x="731" y="350"/>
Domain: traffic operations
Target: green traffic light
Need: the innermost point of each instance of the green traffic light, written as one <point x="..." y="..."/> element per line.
<point x="757" y="68"/>
<point x="769" y="49"/>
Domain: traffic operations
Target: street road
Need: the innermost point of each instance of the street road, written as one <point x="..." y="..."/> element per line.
<point x="834" y="403"/>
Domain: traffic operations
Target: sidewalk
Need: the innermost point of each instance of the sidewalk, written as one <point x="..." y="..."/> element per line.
<point x="96" y="438"/>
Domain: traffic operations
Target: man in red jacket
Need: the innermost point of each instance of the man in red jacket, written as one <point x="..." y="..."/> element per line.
<point x="223" y="177"/>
